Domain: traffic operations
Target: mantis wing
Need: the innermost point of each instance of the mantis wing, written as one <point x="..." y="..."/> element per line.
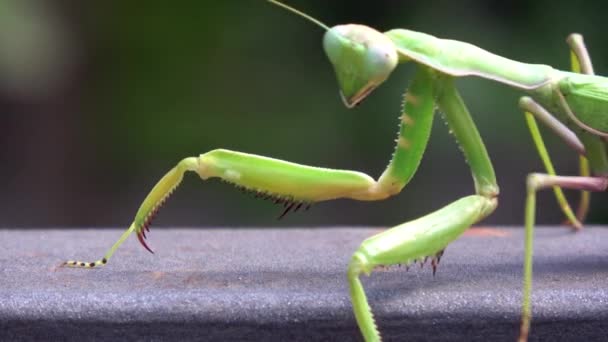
<point x="587" y="97"/>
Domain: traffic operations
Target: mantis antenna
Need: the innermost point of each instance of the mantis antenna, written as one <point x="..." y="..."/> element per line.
<point x="301" y="14"/>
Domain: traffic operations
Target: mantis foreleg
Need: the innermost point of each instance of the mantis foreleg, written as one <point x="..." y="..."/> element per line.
<point x="293" y="184"/>
<point x="290" y="184"/>
<point x="429" y="235"/>
<point x="147" y="210"/>
<point x="410" y="242"/>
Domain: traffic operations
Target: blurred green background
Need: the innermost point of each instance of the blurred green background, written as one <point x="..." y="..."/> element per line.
<point x="98" y="99"/>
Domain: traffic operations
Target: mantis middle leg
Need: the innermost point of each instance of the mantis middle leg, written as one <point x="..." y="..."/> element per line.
<point x="535" y="182"/>
<point x="581" y="63"/>
<point x="532" y="109"/>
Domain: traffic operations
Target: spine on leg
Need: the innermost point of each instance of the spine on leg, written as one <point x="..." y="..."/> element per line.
<point x="282" y="178"/>
<point x="428" y="235"/>
<point x="148" y="209"/>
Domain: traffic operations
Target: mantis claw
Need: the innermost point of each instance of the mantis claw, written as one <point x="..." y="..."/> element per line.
<point x="293" y="206"/>
<point x="289" y="206"/>
<point x="141" y="236"/>
<point x="289" y="203"/>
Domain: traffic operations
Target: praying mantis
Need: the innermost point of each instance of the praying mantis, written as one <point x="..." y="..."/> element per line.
<point x="571" y="104"/>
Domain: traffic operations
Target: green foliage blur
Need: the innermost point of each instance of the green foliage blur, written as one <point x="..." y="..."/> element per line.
<point x="98" y="99"/>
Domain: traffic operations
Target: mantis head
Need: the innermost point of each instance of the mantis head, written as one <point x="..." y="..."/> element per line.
<point x="362" y="57"/>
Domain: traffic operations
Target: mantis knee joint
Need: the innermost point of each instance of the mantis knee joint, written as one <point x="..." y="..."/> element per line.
<point x="359" y="264"/>
<point x="535" y="182"/>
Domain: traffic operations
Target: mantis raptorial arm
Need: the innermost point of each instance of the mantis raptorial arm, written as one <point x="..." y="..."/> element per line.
<point x="294" y="183"/>
<point x="297" y="185"/>
<point x="290" y="184"/>
<point x="428" y="236"/>
<point x="148" y="209"/>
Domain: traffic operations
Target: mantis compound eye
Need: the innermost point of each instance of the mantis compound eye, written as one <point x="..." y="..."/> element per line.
<point x="362" y="57"/>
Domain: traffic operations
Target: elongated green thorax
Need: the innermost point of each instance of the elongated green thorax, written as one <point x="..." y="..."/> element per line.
<point x="458" y="59"/>
<point x="362" y="57"/>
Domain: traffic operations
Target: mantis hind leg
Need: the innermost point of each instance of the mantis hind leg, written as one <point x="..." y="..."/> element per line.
<point x="534" y="183"/>
<point x="532" y="110"/>
<point x="580" y="62"/>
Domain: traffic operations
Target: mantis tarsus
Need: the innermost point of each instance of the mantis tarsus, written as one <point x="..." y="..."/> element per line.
<point x="571" y="104"/>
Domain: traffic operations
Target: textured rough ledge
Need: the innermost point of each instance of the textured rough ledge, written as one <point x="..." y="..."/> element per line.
<point x="269" y="284"/>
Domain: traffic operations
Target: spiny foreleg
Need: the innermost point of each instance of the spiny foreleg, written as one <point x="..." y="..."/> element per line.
<point x="148" y="209"/>
<point x="293" y="185"/>
<point x="286" y="183"/>
<point x="428" y="236"/>
<point x="413" y="241"/>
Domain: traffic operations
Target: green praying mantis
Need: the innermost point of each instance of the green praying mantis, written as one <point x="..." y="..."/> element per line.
<point x="573" y="105"/>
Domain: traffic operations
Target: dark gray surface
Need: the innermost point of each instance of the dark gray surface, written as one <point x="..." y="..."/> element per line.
<point x="263" y="284"/>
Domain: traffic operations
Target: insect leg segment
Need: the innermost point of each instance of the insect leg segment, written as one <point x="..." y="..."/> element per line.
<point x="281" y="180"/>
<point x="289" y="182"/>
<point x="592" y="148"/>
<point x="462" y="126"/>
<point x="413" y="241"/>
<point x="585" y="200"/>
<point x="385" y="249"/>
<point x="428" y="236"/>
<point x="579" y="56"/>
<point x="294" y="183"/>
<point x="594" y="158"/>
<point x="535" y="110"/>
<point x="415" y="125"/>
<point x="580" y="62"/>
<point x="148" y="209"/>
<point x="535" y="182"/>
<point x="532" y="109"/>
